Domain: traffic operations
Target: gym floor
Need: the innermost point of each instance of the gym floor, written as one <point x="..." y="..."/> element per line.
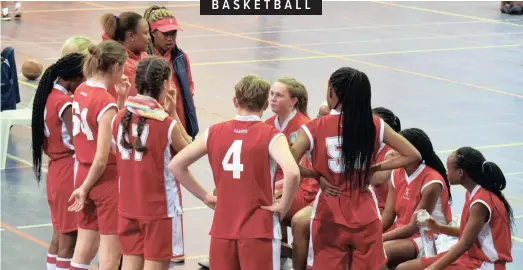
<point x="451" y="68"/>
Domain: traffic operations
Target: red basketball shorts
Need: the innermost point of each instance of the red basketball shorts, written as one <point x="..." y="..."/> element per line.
<point x="156" y="240"/>
<point x="101" y="209"/>
<point x="60" y="185"/>
<point x="251" y="254"/>
<point x="332" y="244"/>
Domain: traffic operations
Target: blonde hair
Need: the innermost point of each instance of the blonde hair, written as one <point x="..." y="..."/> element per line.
<point x="156" y="13"/>
<point x="252" y="92"/>
<point x="76" y="44"/>
<point x="296" y="90"/>
<point x="103" y="57"/>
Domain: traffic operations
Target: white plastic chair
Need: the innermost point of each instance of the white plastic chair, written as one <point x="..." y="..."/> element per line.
<point x="9" y="118"/>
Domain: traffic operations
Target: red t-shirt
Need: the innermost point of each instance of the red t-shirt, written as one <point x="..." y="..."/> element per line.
<point x="244" y="173"/>
<point x="57" y="142"/>
<point x="494" y="242"/>
<point x="407" y="194"/>
<point x="351" y="209"/>
<point x="90" y="102"/>
<point x="147" y="187"/>
<point x="290" y="129"/>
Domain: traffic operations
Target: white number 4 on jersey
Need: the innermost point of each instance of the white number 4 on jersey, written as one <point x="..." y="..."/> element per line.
<point x="234" y="152"/>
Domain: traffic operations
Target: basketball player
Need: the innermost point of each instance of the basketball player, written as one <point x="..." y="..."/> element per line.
<point x="418" y="185"/>
<point x="52" y="115"/>
<point x="486" y="220"/>
<point x="149" y="202"/>
<point x="343" y="145"/>
<point x="96" y="180"/>
<point x="243" y="154"/>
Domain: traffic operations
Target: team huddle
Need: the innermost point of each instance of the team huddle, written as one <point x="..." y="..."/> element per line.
<point x="348" y="183"/>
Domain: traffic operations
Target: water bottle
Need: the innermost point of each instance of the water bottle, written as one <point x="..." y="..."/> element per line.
<point x="428" y="245"/>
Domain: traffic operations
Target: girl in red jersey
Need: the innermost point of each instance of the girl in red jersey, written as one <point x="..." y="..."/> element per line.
<point x="96" y="179"/>
<point x="164" y="30"/>
<point x="288" y="100"/>
<point x="149" y="225"/>
<point x="382" y="190"/>
<point x="486" y="221"/>
<point x="52" y="129"/>
<point x="418" y="185"/>
<point x="343" y="146"/>
<point x="132" y="31"/>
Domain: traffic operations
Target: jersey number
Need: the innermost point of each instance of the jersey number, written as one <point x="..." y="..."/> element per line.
<point x="125" y="153"/>
<point x="80" y="123"/>
<point x="334" y="153"/>
<point x="234" y="153"/>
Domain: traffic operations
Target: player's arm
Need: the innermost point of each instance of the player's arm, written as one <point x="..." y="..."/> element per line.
<point x="381" y="177"/>
<point x="389" y="214"/>
<point x="281" y="153"/>
<point x="187" y="155"/>
<point x="170" y="100"/>
<point x="298" y="150"/>
<point x="103" y="146"/>
<point x="479" y="215"/>
<point x="429" y="198"/>
<point x="408" y="153"/>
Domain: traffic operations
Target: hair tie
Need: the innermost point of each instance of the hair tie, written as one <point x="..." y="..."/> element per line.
<point x="483" y="166"/>
<point x="116" y="18"/>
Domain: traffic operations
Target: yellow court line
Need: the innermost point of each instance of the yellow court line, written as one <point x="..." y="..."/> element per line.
<point x="106" y="8"/>
<point x="505" y="145"/>
<point x="448" y="13"/>
<point x="93" y="4"/>
<point x="354" y="55"/>
<point x="367" y="63"/>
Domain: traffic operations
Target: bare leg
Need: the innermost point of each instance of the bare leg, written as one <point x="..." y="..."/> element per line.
<point x="301" y="233"/>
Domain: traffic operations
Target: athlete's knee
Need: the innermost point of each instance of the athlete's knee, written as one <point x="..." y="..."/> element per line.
<point x="300" y="224"/>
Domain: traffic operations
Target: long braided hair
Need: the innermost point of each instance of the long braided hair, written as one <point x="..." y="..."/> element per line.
<point x="150" y="76"/>
<point x="485" y="173"/>
<point x="67" y="68"/>
<point x="152" y="14"/>
<point x="356" y="129"/>
<point x="419" y="139"/>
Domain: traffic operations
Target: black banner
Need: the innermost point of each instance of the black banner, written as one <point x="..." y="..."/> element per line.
<point x="260" y="7"/>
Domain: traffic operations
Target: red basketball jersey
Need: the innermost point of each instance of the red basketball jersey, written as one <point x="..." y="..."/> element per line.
<point x="382" y="190"/>
<point x="243" y="173"/>
<point x="351" y="209"/>
<point x="407" y="194"/>
<point x="57" y="142"/>
<point x="494" y="242"/>
<point x="147" y="187"/>
<point x="90" y="102"/>
<point x="290" y="128"/>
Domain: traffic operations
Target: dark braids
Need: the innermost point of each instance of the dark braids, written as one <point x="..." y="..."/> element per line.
<point x="388" y="117"/>
<point x="419" y="139"/>
<point x="486" y="174"/>
<point x="67" y="68"/>
<point x="150" y="76"/>
<point x="357" y="131"/>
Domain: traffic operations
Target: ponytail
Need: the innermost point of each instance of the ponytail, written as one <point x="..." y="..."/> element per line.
<point x="357" y="130"/>
<point x="68" y="67"/>
<point x="421" y="141"/>
<point x="487" y="174"/>
<point x="389" y="117"/>
<point x="116" y="27"/>
<point x="103" y="57"/>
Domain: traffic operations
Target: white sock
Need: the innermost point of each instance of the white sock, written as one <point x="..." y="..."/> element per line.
<point x="18" y="7"/>
<point x="51" y="262"/>
<point x="5" y="11"/>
